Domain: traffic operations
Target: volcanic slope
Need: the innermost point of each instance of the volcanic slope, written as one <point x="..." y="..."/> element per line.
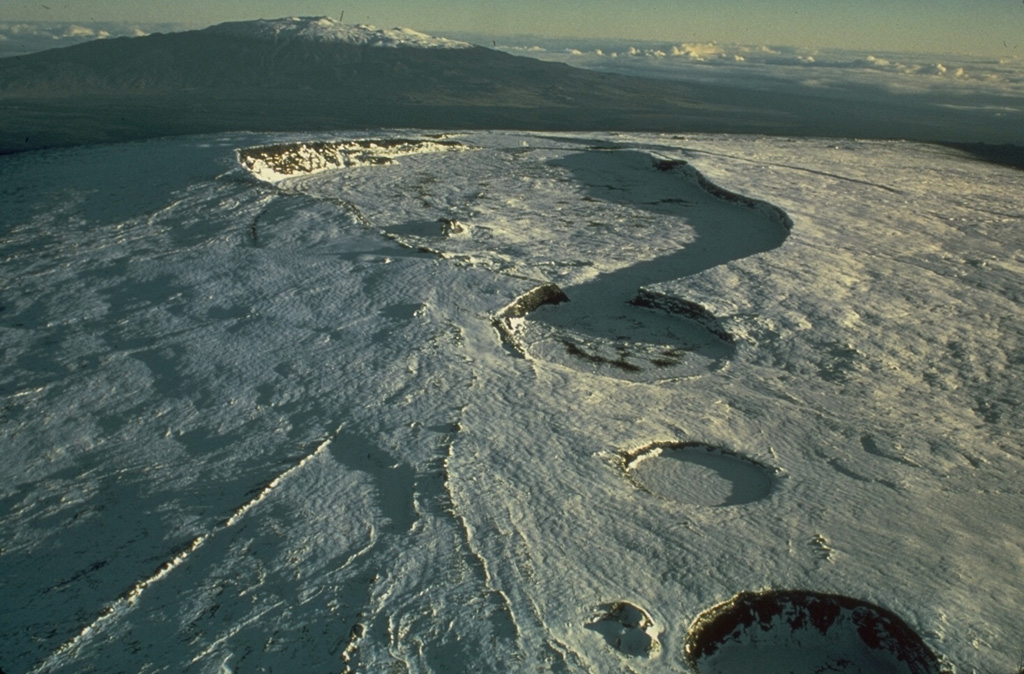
<point x="309" y="74"/>
<point x="256" y="413"/>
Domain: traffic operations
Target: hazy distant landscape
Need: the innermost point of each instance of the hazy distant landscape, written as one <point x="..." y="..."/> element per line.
<point x="208" y="80"/>
<point x="328" y="347"/>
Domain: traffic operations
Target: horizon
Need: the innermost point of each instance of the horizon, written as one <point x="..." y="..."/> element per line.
<point x="331" y="345"/>
<point x="992" y="28"/>
<point x="911" y="95"/>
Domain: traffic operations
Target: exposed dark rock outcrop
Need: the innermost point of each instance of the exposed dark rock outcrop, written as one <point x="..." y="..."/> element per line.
<point x="675" y="305"/>
<point x="548" y="293"/>
<point x="855" y="630"/>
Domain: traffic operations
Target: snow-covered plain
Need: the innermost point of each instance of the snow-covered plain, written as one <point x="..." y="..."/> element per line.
<point x="325" y="422"/>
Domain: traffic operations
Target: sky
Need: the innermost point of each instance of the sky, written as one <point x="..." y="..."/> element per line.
<point x="984" y="27"/>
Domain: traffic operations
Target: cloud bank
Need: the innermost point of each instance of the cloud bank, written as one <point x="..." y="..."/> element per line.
<point x="990" y="89"/>
<point x="981" y="96"/>
<point x="681" y="61"/>
<point x="28" y="37"/>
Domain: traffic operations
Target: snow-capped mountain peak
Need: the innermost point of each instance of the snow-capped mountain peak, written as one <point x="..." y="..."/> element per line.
<point x="325" y="29"/>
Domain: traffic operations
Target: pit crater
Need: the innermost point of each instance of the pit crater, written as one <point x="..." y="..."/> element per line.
<point x="805" y="632"/>
<point x="698" y="474"/>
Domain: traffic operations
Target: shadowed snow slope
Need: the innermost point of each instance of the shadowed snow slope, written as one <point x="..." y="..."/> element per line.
<point x="269" y="425"/>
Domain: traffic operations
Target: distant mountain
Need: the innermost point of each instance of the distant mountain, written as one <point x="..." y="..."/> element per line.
<point x="318" y="74"/>
<point x="313" y="74"/>
<point x="324" y="29"/>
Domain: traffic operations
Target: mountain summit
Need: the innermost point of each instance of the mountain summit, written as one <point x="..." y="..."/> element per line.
<point x="319" y="74"/>
<point x="324" y="29"/>
<point x="309" y="74"/>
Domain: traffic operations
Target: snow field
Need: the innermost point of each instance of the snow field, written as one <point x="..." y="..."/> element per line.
<point x="255" y="426"/>
<point x="325" y="29"/>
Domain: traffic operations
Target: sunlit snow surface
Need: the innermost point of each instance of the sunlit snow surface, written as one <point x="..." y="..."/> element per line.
<point x="324" y="29"/>
<point x="286" y="426"/>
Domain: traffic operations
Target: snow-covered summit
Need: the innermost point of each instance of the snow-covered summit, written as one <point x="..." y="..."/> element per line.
<point x="325" y="29"/>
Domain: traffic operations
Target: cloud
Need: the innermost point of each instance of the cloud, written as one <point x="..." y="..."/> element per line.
<point x="699" y="51"/>
<point x="28" y="37"/>
<point x="983" y="90"/>
<point x="829" y="65"/>
<point x="83" y="31"/>
<point x="532" y="50"/>
<point x="955" y="79"/>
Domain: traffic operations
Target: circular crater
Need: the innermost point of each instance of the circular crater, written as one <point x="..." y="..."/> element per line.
<point x="642" y="340"/>
<point x="802" y="632"/>
<point x="698" y="474"/>
<point x="630" y="350"/>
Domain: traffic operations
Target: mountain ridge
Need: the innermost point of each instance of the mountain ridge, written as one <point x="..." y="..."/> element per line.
<point x="326" y="29"/>
<point x="247" y="76"/>
<point x="316" y="74"/>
